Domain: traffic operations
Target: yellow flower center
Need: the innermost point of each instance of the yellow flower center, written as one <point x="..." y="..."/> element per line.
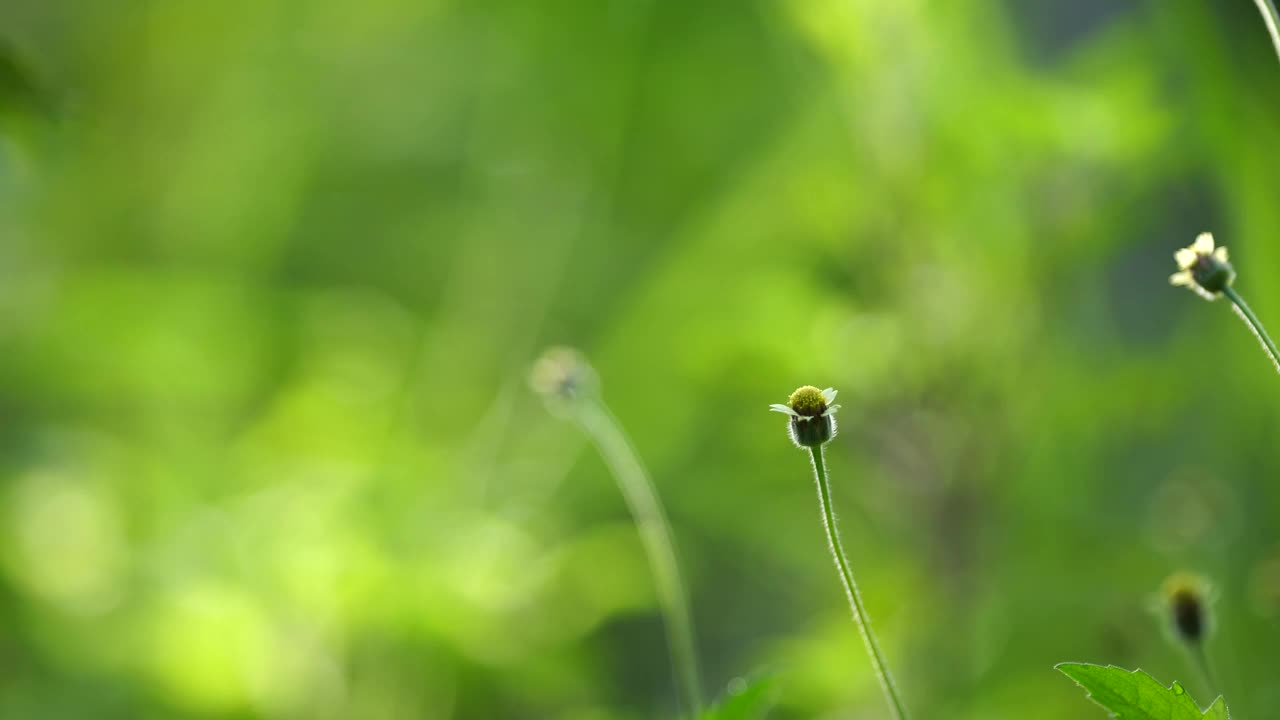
<point x="808" y="401"/>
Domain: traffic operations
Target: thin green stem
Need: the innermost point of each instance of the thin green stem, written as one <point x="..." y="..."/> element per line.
<point x="1201" y="660"/>
<point x="1246" y="314"/>
<point x="655" y="534"/>
<point x="1272" y="18"/>
<point x="851" y="588"/>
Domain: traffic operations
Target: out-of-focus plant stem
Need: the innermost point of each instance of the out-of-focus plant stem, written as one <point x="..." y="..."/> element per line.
<point x="655" y="534"/>
<point x="1272" y="18"/>
<point x="1200" y="659"/>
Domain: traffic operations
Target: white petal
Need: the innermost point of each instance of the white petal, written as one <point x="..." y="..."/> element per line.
<point x="829" y="395"/>
<point x="1205" y="293"/>
<point x="1181" y="279"/>
<point x="1186" y="257"/>
<point x="831" y="410"/>
<point x="1203" y="243"/>
<point x="783" y="409"/>
<point x="1221" y="254"/>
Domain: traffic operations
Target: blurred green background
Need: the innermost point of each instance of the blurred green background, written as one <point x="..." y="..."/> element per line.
<point x="272" y="273"/>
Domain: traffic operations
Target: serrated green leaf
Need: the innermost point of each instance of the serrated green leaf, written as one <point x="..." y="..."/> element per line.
<point x="1218" y="710"/>
<point x="749" y="702"/>
<point x="1135" y="695"/>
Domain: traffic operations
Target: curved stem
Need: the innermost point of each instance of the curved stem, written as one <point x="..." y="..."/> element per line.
<point x="1272" y="18"/>
<point x="655" y="534"/>
<point x="1246" y="314"/>
<point x="851" y="588"/>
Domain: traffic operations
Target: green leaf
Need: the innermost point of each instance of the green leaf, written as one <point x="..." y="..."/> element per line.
<point x="747" y="701"/>
<point x="1135" y="695"/>
<point x="1218" y="710"/>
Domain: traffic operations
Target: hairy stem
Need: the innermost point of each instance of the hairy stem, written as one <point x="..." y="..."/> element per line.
<point x="1272" y="18"/>
<point x="1246" y="314"/>
<point x="851" y="588"/>
<point x="655" y="534"/>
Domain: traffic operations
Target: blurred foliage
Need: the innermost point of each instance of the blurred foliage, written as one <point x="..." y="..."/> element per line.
<point x="743" y="701"/>
<point x="272" y="273"/>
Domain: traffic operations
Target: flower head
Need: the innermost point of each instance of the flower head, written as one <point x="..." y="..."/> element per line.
<point x="562" y="376"/>
<point x="1203" y="268"/>
<point x="1185" y="601"/>
<point x="812" y="415"/>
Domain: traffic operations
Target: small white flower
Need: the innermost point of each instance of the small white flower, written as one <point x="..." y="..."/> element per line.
<point x="1204" y="269"/>
<point x="812" y="412"/>
<point x="808" y="403"/>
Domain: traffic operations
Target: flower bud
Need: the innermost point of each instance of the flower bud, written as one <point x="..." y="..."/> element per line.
<point x="812" y="416"/>
<point x="562" y="377"/>
<point x="1186" y="604"/>
<point x="1203" y="268"/>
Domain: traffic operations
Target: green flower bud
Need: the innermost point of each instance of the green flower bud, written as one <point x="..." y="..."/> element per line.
<point x="812" y="416"/>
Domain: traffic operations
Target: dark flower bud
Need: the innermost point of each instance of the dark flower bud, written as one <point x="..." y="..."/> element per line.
<point x="1186" y="601"/>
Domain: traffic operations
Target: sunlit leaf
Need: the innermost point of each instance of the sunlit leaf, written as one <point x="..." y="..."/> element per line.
<point x="1135" y="695"/>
